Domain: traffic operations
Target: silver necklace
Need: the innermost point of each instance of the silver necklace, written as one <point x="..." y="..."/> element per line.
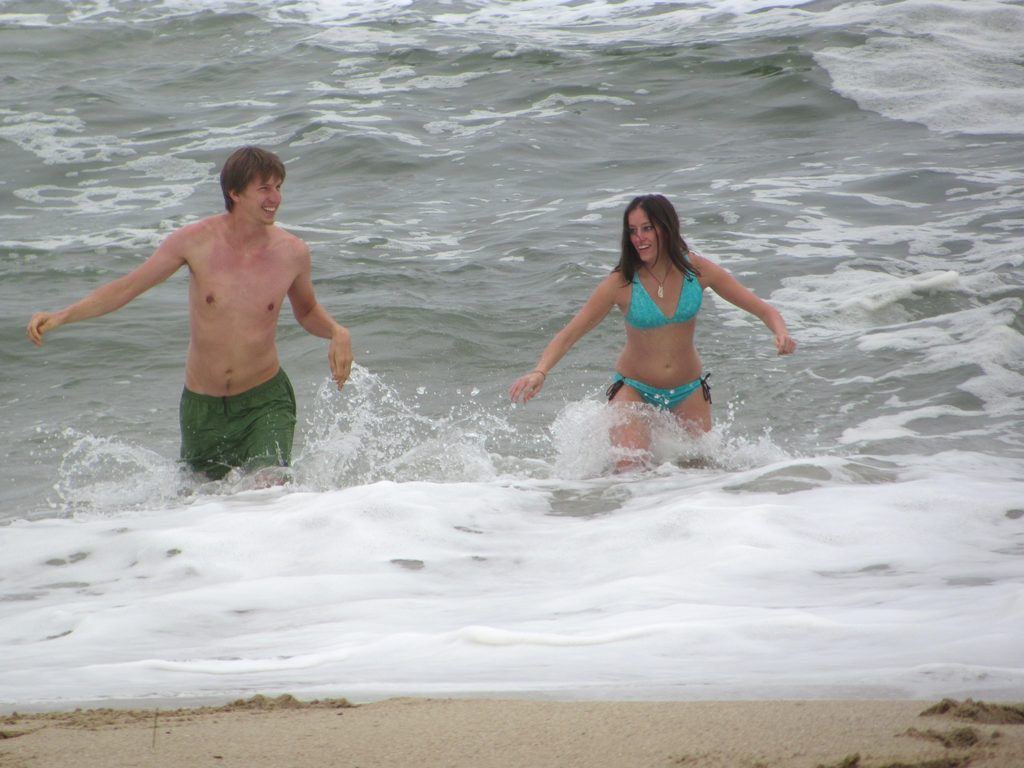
<point x="661" y="283"/>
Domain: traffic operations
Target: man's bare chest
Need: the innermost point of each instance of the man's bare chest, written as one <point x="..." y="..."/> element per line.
<point x="252" y="286"/>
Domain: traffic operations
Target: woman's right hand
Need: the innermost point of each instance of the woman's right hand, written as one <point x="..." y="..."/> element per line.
<point x="527" y="386"/>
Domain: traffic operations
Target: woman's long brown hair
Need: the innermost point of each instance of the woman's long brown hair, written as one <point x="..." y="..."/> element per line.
<point x="664" y="217"/>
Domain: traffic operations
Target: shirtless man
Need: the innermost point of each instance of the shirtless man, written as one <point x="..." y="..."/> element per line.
<point x="238" y="407"/>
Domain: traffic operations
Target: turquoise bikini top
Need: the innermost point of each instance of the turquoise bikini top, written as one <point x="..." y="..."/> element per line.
<point x="644" y="313"/>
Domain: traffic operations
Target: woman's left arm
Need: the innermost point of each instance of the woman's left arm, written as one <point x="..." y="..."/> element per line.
<point x="722" y="282"/>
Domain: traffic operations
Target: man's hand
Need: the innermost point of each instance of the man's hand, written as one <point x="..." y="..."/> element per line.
<point x="784" y="344"/>
<point x="339" y="356"/>
<point x="42" y="322"/>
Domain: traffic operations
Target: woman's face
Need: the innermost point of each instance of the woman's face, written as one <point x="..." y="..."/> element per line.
<point x="643" y="234"/>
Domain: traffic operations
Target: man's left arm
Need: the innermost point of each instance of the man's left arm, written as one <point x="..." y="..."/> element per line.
<point x="316" y="320"/>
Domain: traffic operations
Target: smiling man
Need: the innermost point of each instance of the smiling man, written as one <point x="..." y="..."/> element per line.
<point x="237" y="408"/>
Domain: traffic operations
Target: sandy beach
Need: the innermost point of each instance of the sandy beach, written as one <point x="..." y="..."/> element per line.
<point x="266" y="732"/>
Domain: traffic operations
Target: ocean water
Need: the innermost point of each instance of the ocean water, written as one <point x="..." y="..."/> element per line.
<point x="854" y="524"/>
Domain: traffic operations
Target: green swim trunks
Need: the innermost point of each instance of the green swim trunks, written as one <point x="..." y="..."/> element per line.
<point x="249" y="430"/>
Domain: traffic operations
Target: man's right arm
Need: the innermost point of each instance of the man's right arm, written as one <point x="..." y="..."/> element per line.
<point x="165" y="261"/>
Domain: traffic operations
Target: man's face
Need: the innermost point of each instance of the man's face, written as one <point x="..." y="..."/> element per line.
<point x="260" y="200"/>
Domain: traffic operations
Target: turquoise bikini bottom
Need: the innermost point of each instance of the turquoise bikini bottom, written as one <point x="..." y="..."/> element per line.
<point x="666" y="399"/>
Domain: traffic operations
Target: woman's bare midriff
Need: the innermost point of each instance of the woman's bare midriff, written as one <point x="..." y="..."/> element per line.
<point x="662" y="357"/>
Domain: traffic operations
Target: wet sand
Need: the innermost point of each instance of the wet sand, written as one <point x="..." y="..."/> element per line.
<point x="482" y="733"/>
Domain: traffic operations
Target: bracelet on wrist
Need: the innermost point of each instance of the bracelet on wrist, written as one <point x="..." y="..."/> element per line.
<point x="538" y="370"/>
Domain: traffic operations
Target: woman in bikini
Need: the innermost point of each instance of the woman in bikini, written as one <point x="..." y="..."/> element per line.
<point x="658" y="285"/>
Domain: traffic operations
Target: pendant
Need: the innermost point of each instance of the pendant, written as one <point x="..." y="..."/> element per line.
<point x="661" y="291"/>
